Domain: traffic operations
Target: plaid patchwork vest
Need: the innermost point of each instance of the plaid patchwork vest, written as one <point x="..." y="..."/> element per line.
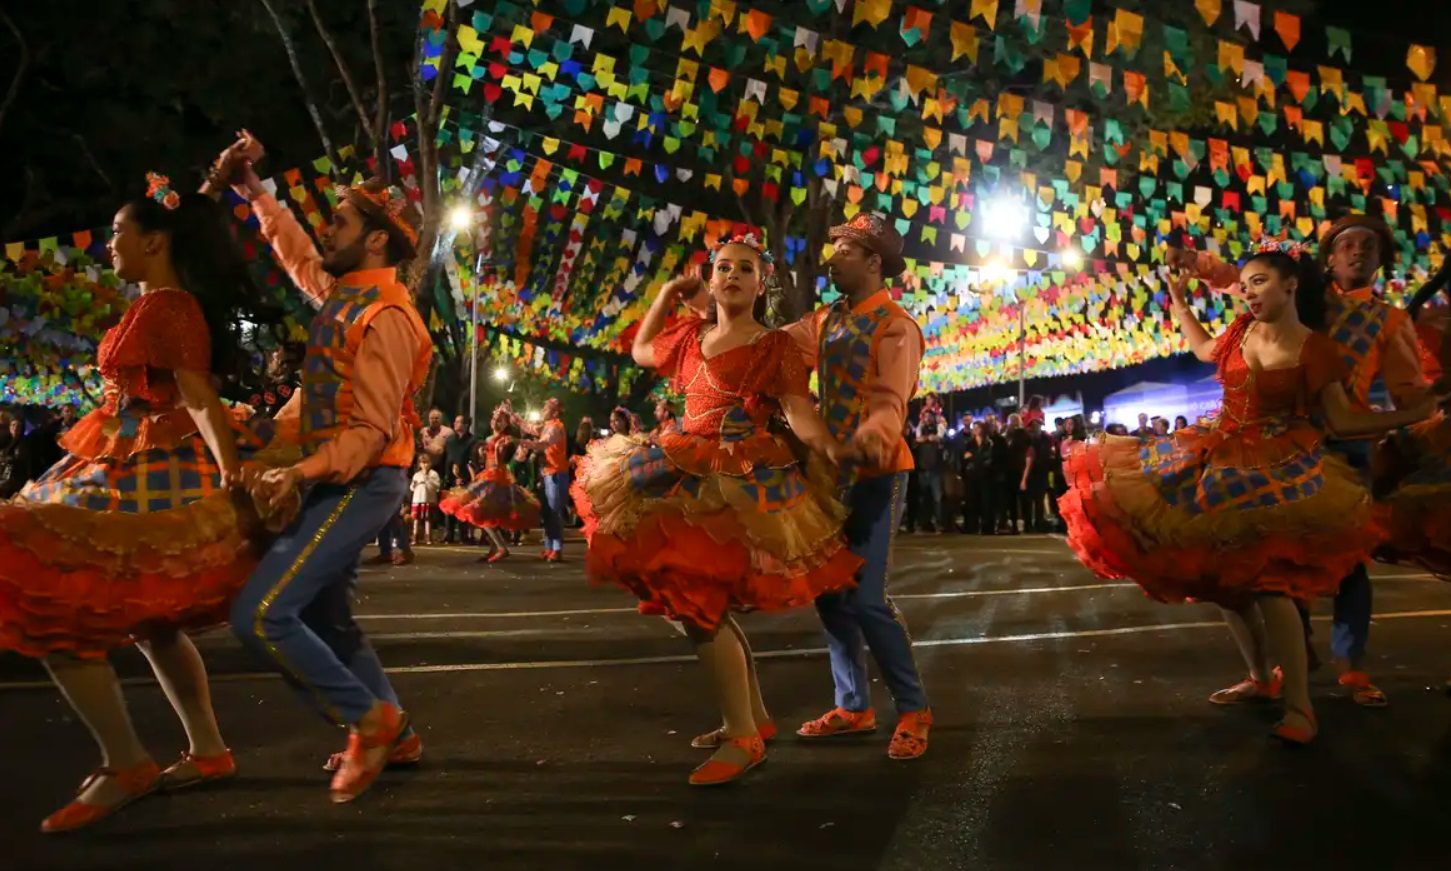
<point x="846" y="368"/>
<point x="1356" y="327"/>
<point x="334" y="338"/>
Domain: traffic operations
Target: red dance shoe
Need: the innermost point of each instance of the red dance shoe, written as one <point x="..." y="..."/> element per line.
<point x="403" y="558"/>
<point x="1296" y="733"/>
<point x="137" y="781"/>
<point x="839" y="721"/>
<point x="1250" y="690"/>
<point x="555" y="556"/>
<point x="717" y="772"/>
<point x="1362" y="691"/>
<point x="408" y="751"/>
<point x="356" y="773"/>
<point x="191" y="770"/>
<point x="910" y="739"/>
<point x="711" y="740"/>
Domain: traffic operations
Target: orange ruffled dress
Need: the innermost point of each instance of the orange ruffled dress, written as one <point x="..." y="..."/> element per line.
<point x="1413" y="474"/>
<point x="131" y="531"/>
<point x="493" y="500"/>
<point x="1246" y="502"/>
<point x="721" y="515"/>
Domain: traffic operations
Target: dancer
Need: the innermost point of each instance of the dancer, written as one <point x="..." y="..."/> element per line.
<point x="368" y="352"/>
<point x="1374" y="339"/>
<point x="721" y="516"/>
<point x="493" y="502"/>
<point x="550" y="438"/>
<point x="866" y="350"/>
<point x="1413" y="467"/>
<point x="1248" y="510"/>
<point x="133" y="537"/>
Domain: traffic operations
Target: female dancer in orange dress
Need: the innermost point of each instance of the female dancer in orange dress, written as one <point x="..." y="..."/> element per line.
<point x="1247" y="511"/>
<point x="723" y="515"/>
<point x="493" y="501"/>
<point x="1412" y="469"/>
<point x="133" y="536"/>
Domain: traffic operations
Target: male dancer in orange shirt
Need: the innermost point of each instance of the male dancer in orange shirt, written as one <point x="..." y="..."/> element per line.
<point x="866" y="351"/>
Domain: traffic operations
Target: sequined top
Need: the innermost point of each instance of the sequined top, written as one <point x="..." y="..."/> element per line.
<point x="752" y="376"/>
<point x="1284" y="395"/>
<point x="162" y="331"/>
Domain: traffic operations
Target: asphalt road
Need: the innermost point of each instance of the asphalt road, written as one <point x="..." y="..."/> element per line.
<point x="1072" y="732"/>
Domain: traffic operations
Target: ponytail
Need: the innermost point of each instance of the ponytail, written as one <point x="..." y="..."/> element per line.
<point x="210" y="266"/>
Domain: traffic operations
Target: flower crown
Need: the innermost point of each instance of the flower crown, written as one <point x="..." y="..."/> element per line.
<point x="751" y="241"/>
<point x="158" y="187"/>
<point x="1292" y="250"/>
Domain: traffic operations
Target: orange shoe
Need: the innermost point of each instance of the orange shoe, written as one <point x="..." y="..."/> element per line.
<point x="138" y="781"/>
<point x="1292" y="733"/>
<point x="497" y="555"/>
<point x="910" y="738"/>
<point x="1362" y="691"/>
<point x="839" y="721"/>
<point x="711" y="740"/>
<point x="403" y="559"/>
<point x="1250" y="690"/>
<point x="408" y="751"/>
<point x="555" y="556"/>
<point x="356" y="774"/>
<point x="717" y="772"/>
<point x="192" y="770"/>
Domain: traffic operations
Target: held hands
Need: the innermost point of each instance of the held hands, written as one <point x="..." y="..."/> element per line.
<point x="234" y="166"/>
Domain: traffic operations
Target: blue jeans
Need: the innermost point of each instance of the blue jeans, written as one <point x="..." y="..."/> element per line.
<point x="929" y="494"/>
<point x="865" y="617"/>
<point x="395" y="533"/>
<point x="1350" y="627"/>
<point x="296" y="609"/>
<point x="556" y="493"/>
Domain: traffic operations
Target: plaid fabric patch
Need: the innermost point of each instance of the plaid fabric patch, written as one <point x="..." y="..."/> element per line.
<point x="147" y="481"/>
<point x="845" y="360"/>
<point x="1354" y="326"/>
<point x="1175" y="473"/>
<point x="650" y="472"/>
<point x="323" y="369"/>
<point x="773" y="489"/>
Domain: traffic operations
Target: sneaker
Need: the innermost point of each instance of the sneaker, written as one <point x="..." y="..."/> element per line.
<point x="839" y="721"/>
<point x="910" y="738"/>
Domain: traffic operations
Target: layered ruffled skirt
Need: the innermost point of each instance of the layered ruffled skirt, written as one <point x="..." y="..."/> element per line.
<point x="1413" y="480"/>
<point x="493" y="501"/>
<point x="136" y="539"/>
<point x="698" y="527"/>
<point x="1217" y="516"/>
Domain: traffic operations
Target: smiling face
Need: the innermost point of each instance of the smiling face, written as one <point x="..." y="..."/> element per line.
<point x="1354" y="257"/>
<point x="853" y="265"/>
<point x="348" y="240"/>
<point x="737" y="278"/>
<point x="1267" y="290"/>
<point x="132" y="248"/>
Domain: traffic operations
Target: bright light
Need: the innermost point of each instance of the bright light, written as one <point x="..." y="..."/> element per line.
<point x="996" y="271"/>
<point x="460" y="217"/>
<point x="1005" y="217"/>
<point x="604" y="432"/>
<point x="1095" y="417"/>
<point x="501" y="374"/>
<point x="535" y="416"/>
<point x="1071" y="259"/>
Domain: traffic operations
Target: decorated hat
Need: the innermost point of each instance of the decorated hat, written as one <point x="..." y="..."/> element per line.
<point x="1368" y="223"/>
<point x="871" y="231"/>
<point x="387" y="205"/>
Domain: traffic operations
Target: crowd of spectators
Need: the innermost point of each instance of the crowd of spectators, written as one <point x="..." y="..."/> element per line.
<point x="30" y="442"/>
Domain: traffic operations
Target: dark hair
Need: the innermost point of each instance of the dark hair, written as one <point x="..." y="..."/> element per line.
<point x="1436" y="283"/>
<point x="622" y="415"/>
<point x="761" y="310"/>
<point x="1309" y="286"/>
<point x="210" y="266"/>
<point x="397" y="251"/>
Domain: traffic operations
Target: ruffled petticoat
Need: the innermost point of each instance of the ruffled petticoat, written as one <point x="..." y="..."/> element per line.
<point x="493" y="501"/>
<point x="698" y="527"/>
<point x="1413" y="481"/>
<point x="1217" y="516"/>
<point x="129" y="534"/>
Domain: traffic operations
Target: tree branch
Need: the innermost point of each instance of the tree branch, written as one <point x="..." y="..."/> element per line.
<point x="312" y="111"/>
<point x="343" y="71"/>
<point x="24" y="65"/>
<point x="380" y="121"/>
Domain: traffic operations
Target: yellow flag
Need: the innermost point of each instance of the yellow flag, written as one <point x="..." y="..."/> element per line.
<point x="1421" y="59"/>
<point x="964" y="41"/>
<point x="987" y="10"/>
<point x="1209" y="10"/>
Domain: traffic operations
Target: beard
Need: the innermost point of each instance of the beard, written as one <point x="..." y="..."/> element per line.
<point x="341" y="261"/>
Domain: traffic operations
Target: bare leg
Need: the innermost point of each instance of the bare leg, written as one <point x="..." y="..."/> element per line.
<point x="1248" y="629"/>
<point x="1287" y="636"/>
<point x="758" y="703"/>
<point x="183" y="677"/>
<point x="94" y="693"/>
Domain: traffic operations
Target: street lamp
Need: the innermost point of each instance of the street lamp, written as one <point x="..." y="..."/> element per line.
<point x="501" y="374"/>
<point x="1071" y="258"/>
<point x="460" y="218"/>
<point x="1005" y="217"/>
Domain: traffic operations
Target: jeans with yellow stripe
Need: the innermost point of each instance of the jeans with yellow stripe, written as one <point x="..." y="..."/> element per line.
<point x="296" y="609"/>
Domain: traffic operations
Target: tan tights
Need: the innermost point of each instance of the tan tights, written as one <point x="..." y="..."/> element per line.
<point x="1268" y="630"/>
<point x="726" y="655"/>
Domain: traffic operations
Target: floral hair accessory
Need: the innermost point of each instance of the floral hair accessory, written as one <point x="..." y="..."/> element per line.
<point x="1292" y="250"/>
<point x="158" y="187"/>
<point x="749" y="240"/>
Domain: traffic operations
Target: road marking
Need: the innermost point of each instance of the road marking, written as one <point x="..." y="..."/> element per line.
<point x="763" y="654"/>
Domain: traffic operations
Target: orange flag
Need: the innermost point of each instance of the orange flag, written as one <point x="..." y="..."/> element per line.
<point x="1288" y="27"/>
